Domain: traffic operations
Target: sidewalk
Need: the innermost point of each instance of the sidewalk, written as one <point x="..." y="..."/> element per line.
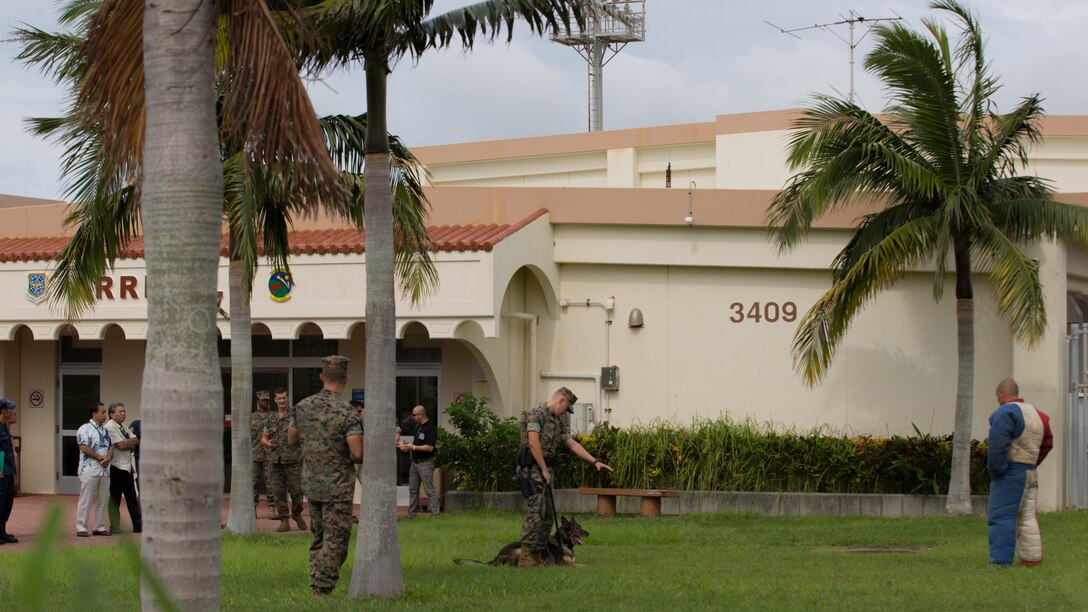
<point x="29" y="512"/>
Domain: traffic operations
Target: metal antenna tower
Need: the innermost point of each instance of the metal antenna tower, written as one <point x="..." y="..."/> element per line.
<point x="604" y="33"/>
<point x="851" y="22"/>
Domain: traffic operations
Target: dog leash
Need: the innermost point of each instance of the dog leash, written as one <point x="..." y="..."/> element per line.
<point x="551" y="500"/>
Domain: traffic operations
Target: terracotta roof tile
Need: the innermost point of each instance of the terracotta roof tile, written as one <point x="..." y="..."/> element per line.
<point x="477" y="237"/>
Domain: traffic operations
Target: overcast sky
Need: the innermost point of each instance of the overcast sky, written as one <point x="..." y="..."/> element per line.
<point x="701" y="58"/>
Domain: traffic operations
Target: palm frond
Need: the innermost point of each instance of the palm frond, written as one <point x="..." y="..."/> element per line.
<point x="266" y="110"/>
<point x="110" y="94"/>
<point x="922" y="96"/>
<point x="849" y="157"/>
<point x="1007" y="140"/>
<point x="56" y="54"/>
<point x="825" y="324"/>
<point x="1024" y="212"/>
<point x="1015" y="279"/>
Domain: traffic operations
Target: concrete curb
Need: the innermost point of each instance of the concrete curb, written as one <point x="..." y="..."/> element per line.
<point x="704" y="502"/>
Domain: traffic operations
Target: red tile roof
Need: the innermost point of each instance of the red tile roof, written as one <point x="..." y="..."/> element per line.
<point x="479" y="237"/>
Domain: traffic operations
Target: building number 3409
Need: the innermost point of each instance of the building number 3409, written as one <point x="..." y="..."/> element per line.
<point x="770" y="312"/>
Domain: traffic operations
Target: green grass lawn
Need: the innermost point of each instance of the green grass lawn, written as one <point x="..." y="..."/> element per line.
<point x="680" y="563"/>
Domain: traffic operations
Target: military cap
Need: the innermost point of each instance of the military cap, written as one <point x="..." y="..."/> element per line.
<point x="335" y="364"/>
<point x="263" y="394"/>
<point x="570" y="396"/>
<point x="6" y="404"/>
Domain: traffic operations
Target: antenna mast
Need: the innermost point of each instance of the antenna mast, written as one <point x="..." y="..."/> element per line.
<point x="605" y="33"/>
<point x="851" y="22"/>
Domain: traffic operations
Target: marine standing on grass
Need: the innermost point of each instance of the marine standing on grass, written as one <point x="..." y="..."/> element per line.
<point x="1020" y="438"/>
<point x="260" y="473"/>
<point x="331" y="436"/>
<point x="543" y="430"/>
<point x="284" y="463"/>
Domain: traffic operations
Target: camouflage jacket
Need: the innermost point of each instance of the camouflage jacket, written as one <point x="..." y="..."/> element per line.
<point x="323" y="422"/>
<point x="553" y="430"/>
<point x="257" y="419"/>
<point x="276" y="426"/>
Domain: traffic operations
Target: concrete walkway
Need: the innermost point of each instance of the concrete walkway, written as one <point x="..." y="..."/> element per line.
<point x="29" y="513"/>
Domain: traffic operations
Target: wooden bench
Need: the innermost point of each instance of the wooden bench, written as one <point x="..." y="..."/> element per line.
<point x="606" y="499"/>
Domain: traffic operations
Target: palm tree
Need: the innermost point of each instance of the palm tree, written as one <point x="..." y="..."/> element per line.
<point x="380" y="32"/>
<point x="942" y="165"/>
<point x="255" y="206"/>
<point x="145" y="82"/>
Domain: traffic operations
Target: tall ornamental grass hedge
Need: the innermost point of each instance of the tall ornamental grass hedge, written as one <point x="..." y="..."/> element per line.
<point x="712" y="455"/>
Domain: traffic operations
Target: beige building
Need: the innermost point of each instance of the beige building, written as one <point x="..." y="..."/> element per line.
<point x="560" y="256"/>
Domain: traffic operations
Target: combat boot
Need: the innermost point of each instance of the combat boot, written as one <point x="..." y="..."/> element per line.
<point x="300" y="522"/>
<point x="285" y="525"/>
<point x="528" y="558"/>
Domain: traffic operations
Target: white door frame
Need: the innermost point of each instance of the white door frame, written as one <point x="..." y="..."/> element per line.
<point x="425" y="369"/>
<point x="67" y="484"/>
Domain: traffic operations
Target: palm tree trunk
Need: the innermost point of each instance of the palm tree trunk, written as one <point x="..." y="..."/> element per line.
<point x="959" y="482"/>
<point x="241" y="518"/>
<point x="182" y="400"/>
<point x="377" y="570"/>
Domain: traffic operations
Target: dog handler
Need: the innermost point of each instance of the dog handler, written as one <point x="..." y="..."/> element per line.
<point x="543" y="429"/>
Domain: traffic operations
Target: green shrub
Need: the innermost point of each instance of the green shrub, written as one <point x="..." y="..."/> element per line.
<point x="723" y="455"/>
<point x="480" y="457"/>
<point x="711" y="455"/>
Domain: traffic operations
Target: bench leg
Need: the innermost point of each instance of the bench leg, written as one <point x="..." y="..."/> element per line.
<point x="651" y="506"/>
<point x="606" y="505"/>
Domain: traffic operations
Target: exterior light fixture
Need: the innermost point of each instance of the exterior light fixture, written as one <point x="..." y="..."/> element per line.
<point x="690" y="219"/>
<point x="635" y="318"/>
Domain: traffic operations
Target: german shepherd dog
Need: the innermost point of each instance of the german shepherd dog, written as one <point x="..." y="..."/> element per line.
<point x="559" y="550"/>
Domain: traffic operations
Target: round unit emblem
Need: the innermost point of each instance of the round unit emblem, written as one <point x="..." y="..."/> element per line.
<point x="280" y="285"/>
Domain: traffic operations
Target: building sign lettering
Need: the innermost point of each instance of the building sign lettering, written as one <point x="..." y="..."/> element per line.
<point x="124" y="288"/>
<point x="768" y="312"/>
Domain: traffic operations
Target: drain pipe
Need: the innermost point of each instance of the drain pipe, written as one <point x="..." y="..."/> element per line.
<point x="594" y="376"/>
<point x="531" y="318"/>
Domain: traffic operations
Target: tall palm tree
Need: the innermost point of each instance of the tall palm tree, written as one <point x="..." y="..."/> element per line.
<point x="256" y="206"/>
<point x="146" y="83"/>
<point x="942" y="164"/>
<point x="380" y="32"/>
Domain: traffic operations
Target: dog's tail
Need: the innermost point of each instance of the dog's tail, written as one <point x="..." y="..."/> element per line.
<point x="468" y="562"/>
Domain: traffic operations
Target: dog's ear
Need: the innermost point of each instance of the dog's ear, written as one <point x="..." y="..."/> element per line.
<point x="566" y="521"/>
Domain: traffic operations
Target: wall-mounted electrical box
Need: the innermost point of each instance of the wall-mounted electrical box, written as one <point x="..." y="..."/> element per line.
<point x="610" y="378"/>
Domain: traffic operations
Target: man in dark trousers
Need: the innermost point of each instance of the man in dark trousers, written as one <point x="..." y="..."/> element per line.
<point x="421" y="451"/>
<point x="544" y="430"/>
<point x="123" y="470"/>
<point x="7" y="469"/>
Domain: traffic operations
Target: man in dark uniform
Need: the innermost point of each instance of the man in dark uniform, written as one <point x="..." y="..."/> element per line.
<point x="260" y="472"/>
<point x="331" y="436"/>
<point x="543" y="430"/>
<point x="7" y="469"/>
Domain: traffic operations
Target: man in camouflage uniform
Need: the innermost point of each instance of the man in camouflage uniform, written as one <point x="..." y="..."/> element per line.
<point x="331" y="436"/>
<point x="543" y="430"/>
<point x="284" y="463"/>
<point x="256" y="428"/>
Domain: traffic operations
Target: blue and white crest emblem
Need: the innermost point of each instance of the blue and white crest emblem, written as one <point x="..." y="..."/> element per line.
<point x="36" y="288"/>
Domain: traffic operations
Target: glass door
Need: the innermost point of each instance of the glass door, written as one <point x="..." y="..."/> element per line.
<point x="416" y="386"/>
<point x="79" y="386"/>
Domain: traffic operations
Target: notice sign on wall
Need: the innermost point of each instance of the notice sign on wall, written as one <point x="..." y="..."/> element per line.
<point x="37" y="398"/>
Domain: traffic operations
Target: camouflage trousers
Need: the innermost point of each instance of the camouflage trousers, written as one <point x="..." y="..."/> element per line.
<point x="260" y="475"/>
<point x="538" y="522"/>
<point x="284" y="478"/>
<point x="330" y="523"/>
